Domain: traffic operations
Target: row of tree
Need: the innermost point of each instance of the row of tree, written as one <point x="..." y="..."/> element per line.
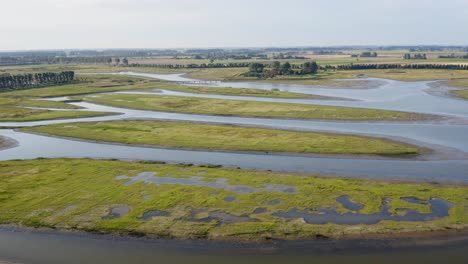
<point x="261" y="70"/>
<point x="6" y="61"/>
<point x="365" y="54"/>
<point x="193" y="65"/>
<point x="399" y="66"/>
<point x="16" y="82"/>
<point x="453" y="56"/>
<point x="417" y="56"/>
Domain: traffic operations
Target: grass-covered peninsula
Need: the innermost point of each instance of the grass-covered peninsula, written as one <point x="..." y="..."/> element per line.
<point x="188" y="135"/>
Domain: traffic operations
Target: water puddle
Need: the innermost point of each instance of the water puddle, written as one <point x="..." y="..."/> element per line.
<point x="220" y="183"/>
<point x="274" y="202"/>
<point x="117" y="212"/>
<point x="148" y="215"/>
<point x="439" y="209"/>
<point x="260" y="210"/>
<point x="348" y="204"/>
<point x="230" y="199"/>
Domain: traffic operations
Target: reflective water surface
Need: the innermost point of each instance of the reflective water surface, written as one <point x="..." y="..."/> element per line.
<point x="53" y="248"/>
<point x="449" y="136"/>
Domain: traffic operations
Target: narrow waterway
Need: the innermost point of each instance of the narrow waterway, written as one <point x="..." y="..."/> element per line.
<point x="57" y="248"/>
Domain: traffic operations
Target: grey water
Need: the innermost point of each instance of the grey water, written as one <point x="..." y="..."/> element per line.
<point x="393" y="95"/>
<point x="58" y="248"/>
<point x="219" y="183"/>
<point x="438" y="171"/>
<point x="439" y="209"/>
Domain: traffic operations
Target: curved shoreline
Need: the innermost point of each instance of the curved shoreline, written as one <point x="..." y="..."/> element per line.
<point x="424" y="152"/>
<point x="374" y="241"/>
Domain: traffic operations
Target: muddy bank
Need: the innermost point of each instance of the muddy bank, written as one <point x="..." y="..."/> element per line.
<point x="7" y="143"/>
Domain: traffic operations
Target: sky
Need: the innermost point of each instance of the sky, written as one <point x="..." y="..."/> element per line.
<point x="96" y="24"/>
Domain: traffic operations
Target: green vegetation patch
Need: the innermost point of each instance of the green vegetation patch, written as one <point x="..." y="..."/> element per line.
<point x="225" y="137"/>
<point x="87" y="84"/>
<point x="26" y="102"/>
<point x="95" y="195"/>
<point x="462" y="93"/>
<point x="462" y="83"/>
<point x="210" y="106"/>
<point x="18" y="114"/>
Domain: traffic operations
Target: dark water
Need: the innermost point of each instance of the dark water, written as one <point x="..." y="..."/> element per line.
<point x="320" y="216"/>
<point x="440" y="171"/>
<point x="348" y="204"/>
<point x="52" y="248"/>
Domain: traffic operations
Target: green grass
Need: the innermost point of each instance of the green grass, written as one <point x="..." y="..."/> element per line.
<point x="225" y="137"/>
<point x="462" y="83"/>
<point x="25" y="102"/>
<point x="17" y="114"/>
<point x="462" y="93"/>
<point x="77" y="193"/>
<point x="247" y="108"/>
<point x="88" y="84"/>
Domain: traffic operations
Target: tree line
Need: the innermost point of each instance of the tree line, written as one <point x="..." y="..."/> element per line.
<point x="261" y="70"/>
<point x="193" y="65"/>
<point x="398" y="66"/>
<point x="417" y="56"/>
<point x="17" y="82"/>
<point x="453" y="56"/>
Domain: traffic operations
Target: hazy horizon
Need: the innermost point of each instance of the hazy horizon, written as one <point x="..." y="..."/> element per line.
<point x="158" y="24"/>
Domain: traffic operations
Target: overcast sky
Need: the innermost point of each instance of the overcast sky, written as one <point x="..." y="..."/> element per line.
<point x="55" y="24"/>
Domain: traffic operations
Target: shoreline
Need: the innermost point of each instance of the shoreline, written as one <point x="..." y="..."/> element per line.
<point x="424" y="151"/>
<point x="382" y="241"/>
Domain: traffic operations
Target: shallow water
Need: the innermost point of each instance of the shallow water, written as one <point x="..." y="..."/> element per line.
<point x="32" y="247"/>
<point x="219" y="183"/>
<point x="320" y="216"/>
<point x="443" y="171"/>
<point x="393" y="95"/>
<point x="348" y="204"/>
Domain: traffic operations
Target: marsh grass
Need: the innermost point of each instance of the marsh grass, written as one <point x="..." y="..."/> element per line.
<point x="226" y="137"/>
<point x="77" y="193"/>
<point x="223" y="107"/>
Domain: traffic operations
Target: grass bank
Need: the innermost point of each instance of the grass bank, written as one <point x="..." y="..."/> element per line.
<point x="461" y="83"/>
<point x="248" y="108"/>
<point x="26" y="102"/>
<point x="462" y="93"/>
<point x="17" y="114"/>
<point x="87" y="84"/>
<point x="225" y="137"/>
<point x="87" y="195"/>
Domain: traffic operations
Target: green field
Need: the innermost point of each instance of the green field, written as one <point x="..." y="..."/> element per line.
<point x="461" y="83"/>
<point x="26" y="102"/>
<point x="462" y="93"/>
<point x="87" y="84"/>
<point x="79" y="194"/>
<point x="224" y="137"/>
<point x="209" y="106"/>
